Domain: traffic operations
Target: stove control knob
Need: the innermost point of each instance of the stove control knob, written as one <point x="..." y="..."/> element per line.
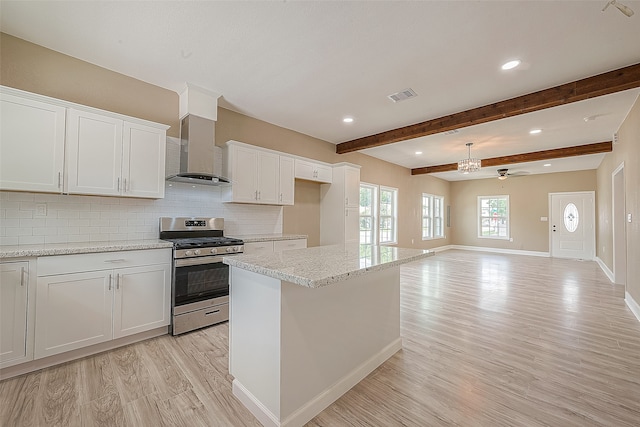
<point x="197" y="252"/>
<point x="214" y="251"/>
<point x="188" y="253"/>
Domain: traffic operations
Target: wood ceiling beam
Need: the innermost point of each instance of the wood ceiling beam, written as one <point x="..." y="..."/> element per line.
<point x="580" y="90"/>
<point x="556" y="153"/>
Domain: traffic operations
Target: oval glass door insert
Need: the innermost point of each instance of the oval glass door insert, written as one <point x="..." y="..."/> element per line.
<point x="571" y="217"/>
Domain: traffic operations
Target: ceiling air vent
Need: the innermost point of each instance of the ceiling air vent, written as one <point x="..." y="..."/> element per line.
<point x="452" y="132"/>
<point x="402" y="95"/>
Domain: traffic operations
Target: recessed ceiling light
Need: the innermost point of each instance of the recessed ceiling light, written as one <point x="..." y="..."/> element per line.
<point x="535" y="131"/>
<point x="546" y="165"/>
<point x="418" y="152"/>
<point x="511" y="64"/>
<point x="348" y="120"/>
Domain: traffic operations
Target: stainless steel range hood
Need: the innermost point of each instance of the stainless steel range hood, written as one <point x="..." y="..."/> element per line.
<point x="198" y="152"/>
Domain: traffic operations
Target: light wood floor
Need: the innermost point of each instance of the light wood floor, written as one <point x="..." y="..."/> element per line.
<point x="491" y="340"/>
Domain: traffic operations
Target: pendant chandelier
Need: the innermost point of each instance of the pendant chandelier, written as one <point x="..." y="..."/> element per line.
<point x="469" y="165"/>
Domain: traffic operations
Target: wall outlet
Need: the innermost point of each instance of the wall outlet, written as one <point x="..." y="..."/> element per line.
<point x="511" y="239"/>
<point x="41" y="209"/>
<point x="544" y="219"/>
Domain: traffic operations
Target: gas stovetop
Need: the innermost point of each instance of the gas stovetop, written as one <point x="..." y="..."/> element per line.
<point x="197" y="237"/>
<point x="203" y="242"/>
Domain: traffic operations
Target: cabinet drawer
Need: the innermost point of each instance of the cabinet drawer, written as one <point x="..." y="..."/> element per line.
<point x="258" y="247"/>
<point x="63" y="264"/>
<point x="284" y="245"/>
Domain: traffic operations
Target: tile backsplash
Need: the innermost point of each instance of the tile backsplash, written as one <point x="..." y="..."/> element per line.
<point x="33" y="218"/>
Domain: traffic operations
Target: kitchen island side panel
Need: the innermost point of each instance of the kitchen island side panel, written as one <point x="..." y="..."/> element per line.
<point x="332" y="336"/>
<point x="254" y="336"/>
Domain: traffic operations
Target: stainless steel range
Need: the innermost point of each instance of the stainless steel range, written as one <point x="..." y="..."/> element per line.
<point x="200" y="292"/>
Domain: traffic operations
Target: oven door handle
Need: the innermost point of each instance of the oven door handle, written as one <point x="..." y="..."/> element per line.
<point x="185" y="262"/>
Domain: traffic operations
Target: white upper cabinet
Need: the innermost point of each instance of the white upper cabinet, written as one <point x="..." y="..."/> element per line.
<point x="94" y="154"/>
<point x="50" y="145"/>
<point x="255" y="176"/>
<point x="32" y="135"/>
<point x="287" y="181"/>
<point x="313" y="171"/>
<point x="143" y="159"/>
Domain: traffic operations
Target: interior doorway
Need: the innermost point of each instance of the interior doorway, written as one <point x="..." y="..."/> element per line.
<point x="572" y="225"/>
<point x="619" y="227"/>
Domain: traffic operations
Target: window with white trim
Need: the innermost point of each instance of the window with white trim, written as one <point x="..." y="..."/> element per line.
<point x="493" y="217"/>
<point x="432" y="217"/>
<point x="368" y="203"/>
<point x="388" y="216"/>
<point x="378" y="214"/>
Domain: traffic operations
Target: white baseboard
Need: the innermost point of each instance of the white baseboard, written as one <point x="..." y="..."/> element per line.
<point x="441" y="248"/>
<point x="500" y="251"/>
<point x="632" y="304"/>
<point x="605" y="270"/>
<point x="316" y="405"/>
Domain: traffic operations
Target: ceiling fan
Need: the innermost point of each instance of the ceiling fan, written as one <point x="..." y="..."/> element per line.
<point x="504" y="173"/>
<point x="622" y="8"/>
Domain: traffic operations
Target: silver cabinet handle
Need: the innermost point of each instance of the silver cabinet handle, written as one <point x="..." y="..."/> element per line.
<point x="118" y="184"/>
<point x="110" y="281"/>
<point x="22" y="276"/>
<point x="125" y="186"/>
<point x="59" y="179"/>
<point x="118" y="281"/>
<point x="280" y="196"/>
<point x="212" y="312"/>
<point x="256" y="195"/>
<point x="115" y="261"/>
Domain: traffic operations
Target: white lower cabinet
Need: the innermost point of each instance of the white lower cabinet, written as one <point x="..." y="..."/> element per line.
<point x="13" y="313"/>
<point x="254" y="248"/>
<point x="75" y="309"/>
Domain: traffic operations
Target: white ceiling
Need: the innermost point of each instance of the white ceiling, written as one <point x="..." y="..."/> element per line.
<point x="304" y="65"/>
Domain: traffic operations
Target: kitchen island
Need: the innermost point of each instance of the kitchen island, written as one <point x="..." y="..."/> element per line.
<point x="307" y="325"/>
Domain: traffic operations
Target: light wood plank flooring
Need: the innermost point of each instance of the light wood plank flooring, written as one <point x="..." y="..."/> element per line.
<point x="488" y="340"/>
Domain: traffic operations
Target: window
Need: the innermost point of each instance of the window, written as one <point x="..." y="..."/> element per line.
<point x="368" y="204"/>
<point x="493" y="217"/>
<point x="378" y="214"/>
<point x="388" y="207"/>
<point x="432" y="216"/>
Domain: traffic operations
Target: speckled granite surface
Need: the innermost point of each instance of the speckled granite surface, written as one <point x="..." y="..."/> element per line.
<point x="80" y="248"/>
<point x="323" y="265"/>
<point x="252" y="238"/>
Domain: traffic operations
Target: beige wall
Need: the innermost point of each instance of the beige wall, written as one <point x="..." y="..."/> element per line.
<point x="627" y="151"/>
<point x="528" y="200"/>
<point x="304" y="216"/>
<point x="33" y="68"/>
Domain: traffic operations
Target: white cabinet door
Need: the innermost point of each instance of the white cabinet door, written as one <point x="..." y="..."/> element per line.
<point x="72" y="311"/>
<point x="351" y="225"/>
<point x="352" y="187"/>
<point x="268" y="178"/>
<point x="94" y="153"/>
<point x="32" y="137"/>
<point x="313" y="171"/>
<point x="142" y="299"/>
<point x="287" y="181"/>
<point x="253" y="248"/>
<point x="143" y="158"/>
<point x="324" y="173"/>
<point x="13" y="312"/>
<point x="244" y="174"/>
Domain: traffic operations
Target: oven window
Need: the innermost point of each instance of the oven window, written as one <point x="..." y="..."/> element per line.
<point x="200" y="282"/>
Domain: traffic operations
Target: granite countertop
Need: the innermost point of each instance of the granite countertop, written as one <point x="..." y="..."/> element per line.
<point x="323" y="265"/>
<point x="15" y="251"/>
<point x="253" y="238"/>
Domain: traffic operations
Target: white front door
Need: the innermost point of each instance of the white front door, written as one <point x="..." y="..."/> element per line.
<point x="572" y="225"/>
